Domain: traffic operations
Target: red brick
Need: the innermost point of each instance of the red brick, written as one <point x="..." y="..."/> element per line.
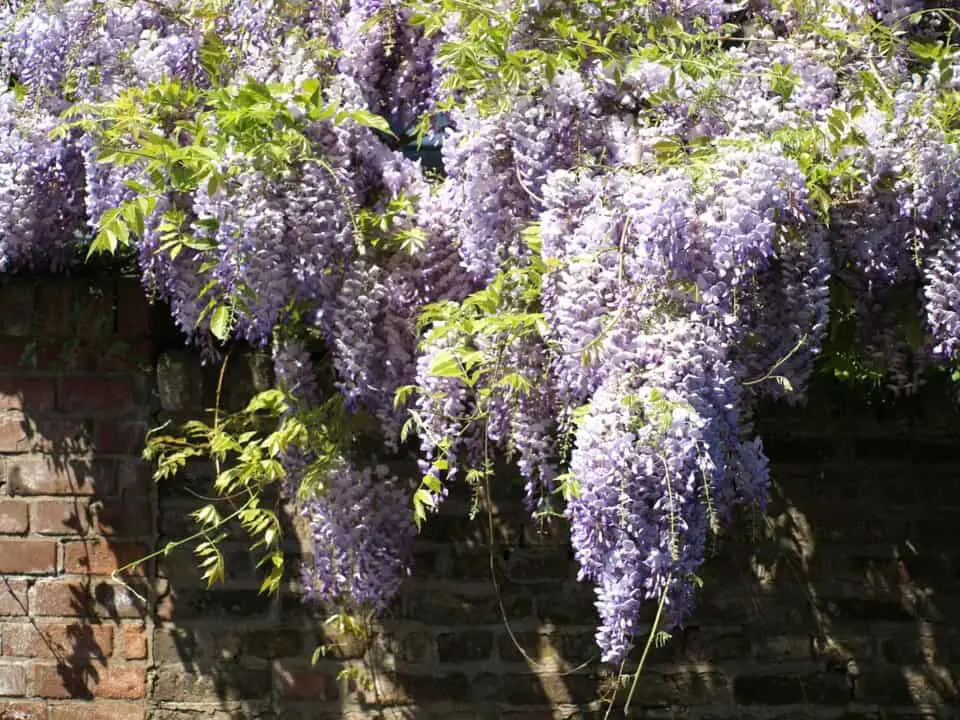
<point x="39" y="475"/>
<point x="125" y="356"/>
<point x="60" y="517"/>
<point x="101" y="557"/>
<point x="97" y="710"/>
<point x="18" y="300"/>
<point x="17" y="354"/>
<point x="135" y="642"/>
<point x="91" y="597"/>
<point x="75" y="309"/>
<point x="30" y="557"/>
<point x="57" y="437"/>
<point x="120" y="437"/>
<point x="13" y="517"/>
<point x="98" y="395"/>
<point x="13" y="596"/>
<point x="120" y="682"/>
<point x="13" y="680"/>
<point x="23" y="710"/>
<point x="133" y="310"/>
<point x="55" y="308"/>
<point x="76" y="640"/>
<point x="32" y="395"/>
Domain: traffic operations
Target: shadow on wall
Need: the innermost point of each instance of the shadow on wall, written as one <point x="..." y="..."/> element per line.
<point x="837" y="602"/>
<point x="841" y="599"/>
<point x="77" y="503"/>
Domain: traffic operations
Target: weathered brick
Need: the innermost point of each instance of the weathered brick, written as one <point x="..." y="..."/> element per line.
<point x="30" y="557"/>
<point x="13" y="431"/>
<point x="114" y="396"/>
<point x="97" y="710"/>
<point x="135" y="641"/>
<point x="113" y="681"/>
<point x="79" y="641"/>
<point x="39" y="475"/>
<point x="274" y="643"/>
<point x="58" y="437"/>
<point x="563" y="647"/>
<point x="824" y="689"/>
<point x="13" y="680"/>
<point x="23" y="710"/>
<point x="464" y="645"/>
<point x="417" y="647"/>
<point x="60" y="517"/>
<point x="88" y="597"/>
<point x="101" y="557"/>
<point x="463" y="607"/>
<point x="308" y="684"/>
<point x="13" y="597"/>
<point x="31" y="395"/>
<point x="179" y="382"/>
<point x="13" y="517"/>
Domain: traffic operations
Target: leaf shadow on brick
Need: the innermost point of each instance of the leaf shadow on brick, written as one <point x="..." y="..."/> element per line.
<point x="229" y="650"/>
<point x="66" y="353"/>
<point x="844" y="586"/>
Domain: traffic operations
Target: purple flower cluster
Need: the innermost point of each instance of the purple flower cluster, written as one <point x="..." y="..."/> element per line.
<point x="41" y="204"/>
<point x="363" y="534"/>
<point x="658" y="454"/>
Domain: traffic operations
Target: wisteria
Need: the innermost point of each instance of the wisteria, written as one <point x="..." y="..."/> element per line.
<point x="648" y="216"/>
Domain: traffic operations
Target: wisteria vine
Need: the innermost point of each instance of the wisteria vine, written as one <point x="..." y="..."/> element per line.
<point x="649" y="215"/>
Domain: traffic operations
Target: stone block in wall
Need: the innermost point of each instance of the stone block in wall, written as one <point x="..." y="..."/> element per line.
<point x="221" y="682"/>
<point x="100" y="710"/>
<point x="179" y="382"/>
<point x="188" y="604"/>
<point x="274" y="643"/>
<point x="316" y="684"/>
<point x="792" y="689"/>
<point x="23" y="710"/>
<point x="464" y="645"/>
<point x="455" y="605"/>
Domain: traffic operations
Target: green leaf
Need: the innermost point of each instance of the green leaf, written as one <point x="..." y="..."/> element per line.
<point x="220" y="321"/>
<point x="445" y="364"/>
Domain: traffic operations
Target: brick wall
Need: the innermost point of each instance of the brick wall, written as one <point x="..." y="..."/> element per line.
<point x="77" y="503"/>
<point x="840" y="601"/>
